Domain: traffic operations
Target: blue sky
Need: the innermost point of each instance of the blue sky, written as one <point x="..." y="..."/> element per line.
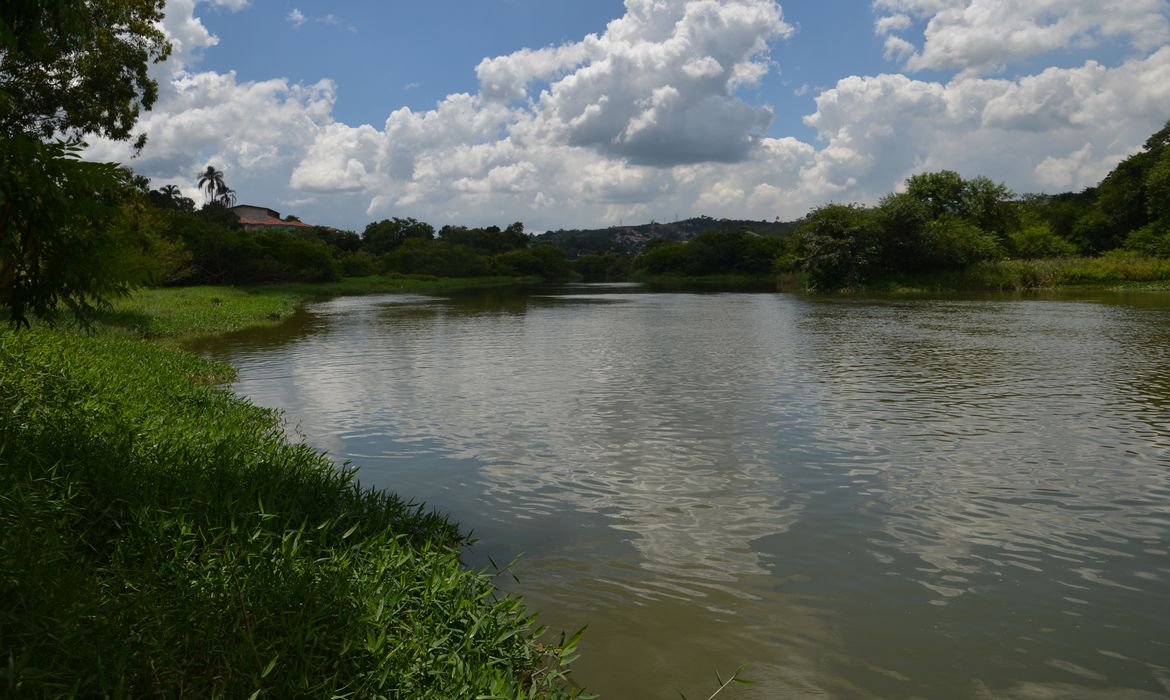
<point x="582" y="113"/>
<point x="388" y="55"/>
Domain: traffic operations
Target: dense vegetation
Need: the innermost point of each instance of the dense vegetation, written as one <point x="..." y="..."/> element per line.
<point x="209" y="246"/>
<point x="944" y="224"/>
<point x="160" y="537"/>
<point x="628" y="241"/>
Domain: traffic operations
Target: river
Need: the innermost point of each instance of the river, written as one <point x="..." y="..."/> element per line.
<point x="962" y="497"/>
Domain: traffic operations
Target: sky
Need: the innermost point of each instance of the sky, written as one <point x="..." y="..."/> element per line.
<point x="590" y="113"/>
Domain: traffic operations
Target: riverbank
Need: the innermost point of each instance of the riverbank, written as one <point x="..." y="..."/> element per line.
<point x="1107" y="272"/>
<point x="179" y="313"/>
<point x="160" y="536"/>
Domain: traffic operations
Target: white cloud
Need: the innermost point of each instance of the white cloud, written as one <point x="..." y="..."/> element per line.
<point x="878" y="130"/>
<point x="642" y="121"/>
<point x="891" y="23"/>
<point x="1077" y="170"/>
<point x="296" y="18"/>
<point x="982" y="35"/>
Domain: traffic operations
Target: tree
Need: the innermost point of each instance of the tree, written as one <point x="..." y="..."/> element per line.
<point x="170" y="197"/>
<point x="942" y="192"/>
<point x="384" y="236"/>
<point x="59" y="241"/>
<point x="77" y="67"/>
<point x="212" y="184"/>
<point x="68" y="68"/>
<point x="841" y="244"/>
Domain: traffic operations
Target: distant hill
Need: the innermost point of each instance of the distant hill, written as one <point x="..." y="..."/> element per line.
<point x="629" y="240"/>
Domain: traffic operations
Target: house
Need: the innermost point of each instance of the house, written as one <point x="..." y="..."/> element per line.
<point x="254" y="218"/>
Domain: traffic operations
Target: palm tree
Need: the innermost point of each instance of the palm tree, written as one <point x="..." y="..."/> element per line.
<point x="171" y="192"/>
<point x="226" y="197"/>
<point x="211" y="182"/>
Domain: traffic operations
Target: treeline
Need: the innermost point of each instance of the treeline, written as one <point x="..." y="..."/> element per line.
<point x="210" y="246"/>
<point x="943" y="223"/>
<point x="940" y="223"/>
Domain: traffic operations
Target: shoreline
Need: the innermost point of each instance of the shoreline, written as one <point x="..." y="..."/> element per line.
<point x="162" y="536"/>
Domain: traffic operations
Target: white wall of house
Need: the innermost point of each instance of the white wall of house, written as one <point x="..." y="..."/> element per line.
<point x="247" y="211"/>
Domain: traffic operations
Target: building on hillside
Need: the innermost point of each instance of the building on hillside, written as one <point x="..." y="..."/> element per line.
<point x="254" y="218"/>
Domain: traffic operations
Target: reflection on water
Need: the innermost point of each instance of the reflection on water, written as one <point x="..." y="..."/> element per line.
<point x="861" y="498"/>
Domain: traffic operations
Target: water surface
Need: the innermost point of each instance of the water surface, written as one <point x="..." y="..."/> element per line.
<point x="860" y="498"/>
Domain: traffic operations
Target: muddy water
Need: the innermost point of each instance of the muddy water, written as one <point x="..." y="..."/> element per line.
<point x="947" y="498"/>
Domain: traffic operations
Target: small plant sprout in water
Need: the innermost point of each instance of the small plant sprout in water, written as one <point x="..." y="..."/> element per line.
<point x="736" y="678"/>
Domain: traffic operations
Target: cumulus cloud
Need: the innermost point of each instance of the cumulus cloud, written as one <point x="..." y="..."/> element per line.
<point x="980" y="35"/>
<point x="880" y="129"/>
<point x="643" y="120"/>
<point x="296" y="18"/>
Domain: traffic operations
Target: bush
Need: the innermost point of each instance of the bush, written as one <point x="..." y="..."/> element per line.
<point x="1039" y="241"/>
<point x="1152" y="240"/>
<point x="603" y="267"/>
<point x="951" y="243"/>
<point x="545" y="261"/>
<point x="421" y="257"/>
<point x="360" y="264"/>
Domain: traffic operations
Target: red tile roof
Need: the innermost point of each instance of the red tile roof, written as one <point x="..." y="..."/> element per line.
<point x="273" y="222"/>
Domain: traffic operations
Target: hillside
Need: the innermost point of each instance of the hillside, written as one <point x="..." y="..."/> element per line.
<point x="629" y="240"/>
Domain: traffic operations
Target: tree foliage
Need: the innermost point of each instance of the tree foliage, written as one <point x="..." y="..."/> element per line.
<point x="69" y="68"/>
<point x="941" y="222"/>
<point x="381" y="237"/>
<point x="77" y="67"/>
<point x="51" y="205"/>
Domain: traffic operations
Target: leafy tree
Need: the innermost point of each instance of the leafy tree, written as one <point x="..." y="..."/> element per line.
<point x="1036" y="239"/>
<point x="546" y="261"/>
<point x="952" y="243"/>
<point x="942" y="192"/>
<point x="903" y="219"/>
<point x="1152" y="240"/>
<point x="989" y="206"/>
<point x="383" y="236"/>
<point x="52" y="207"/>
<point x="77" y="67"/>
<point x="661" y="257"/>
<point x="841" y="245"/>
<point x="439" y="258"/>
<point x="68" y="68"/>
<point x="1158" y="187"/>
<point x="490" y="240"/>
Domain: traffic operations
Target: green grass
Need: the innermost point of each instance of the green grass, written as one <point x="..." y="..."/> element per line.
<point x="185" y="312"/>
<point x="161" y="537"/>
<point x="1107" y="272"/>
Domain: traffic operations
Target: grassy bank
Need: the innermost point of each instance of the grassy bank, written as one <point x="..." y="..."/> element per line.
<point x="180" y="312"/>
<point x="1105" y="272"/>
<point x="161" y="537"/>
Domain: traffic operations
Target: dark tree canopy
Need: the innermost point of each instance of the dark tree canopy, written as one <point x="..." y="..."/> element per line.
<point x="69" y="68"/>
<point x="50" y="205"/>
<point x="77" y="67"/>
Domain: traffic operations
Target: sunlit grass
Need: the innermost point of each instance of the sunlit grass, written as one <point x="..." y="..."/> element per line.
<point x="183" y="312"/>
